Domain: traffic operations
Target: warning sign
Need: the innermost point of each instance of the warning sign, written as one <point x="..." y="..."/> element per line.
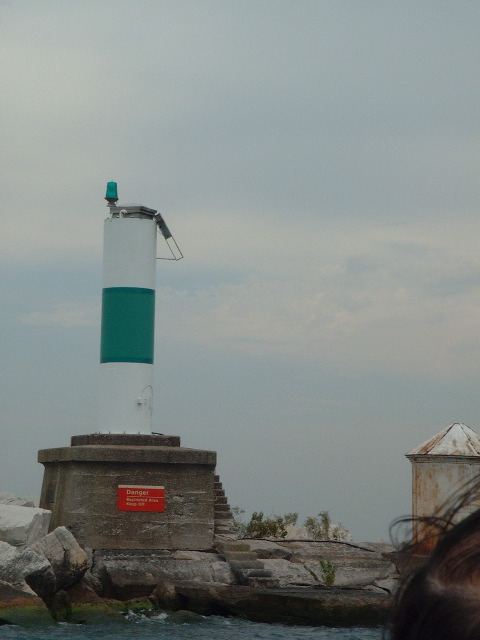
<point x="135" y="497"/>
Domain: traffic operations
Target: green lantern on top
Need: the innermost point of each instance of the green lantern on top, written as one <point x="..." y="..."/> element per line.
<point x="111" y="196"/>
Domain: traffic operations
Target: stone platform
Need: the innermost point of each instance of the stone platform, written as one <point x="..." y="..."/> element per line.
<point x="81" y="488"/>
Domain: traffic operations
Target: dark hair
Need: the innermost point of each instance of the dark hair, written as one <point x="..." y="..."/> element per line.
<point x="440" y="599"/>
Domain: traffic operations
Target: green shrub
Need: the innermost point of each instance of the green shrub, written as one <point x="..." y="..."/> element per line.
<point x="317" y="528"/>
<point x="290" y="519"/>
<point x="328" y="572"/>
<point x="258" y="527"/>
<point x="321" y="528"/>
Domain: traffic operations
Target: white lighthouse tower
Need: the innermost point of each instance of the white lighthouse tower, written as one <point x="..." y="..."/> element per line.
<point x="128" y="316"/>
<point x="123" y="487"/>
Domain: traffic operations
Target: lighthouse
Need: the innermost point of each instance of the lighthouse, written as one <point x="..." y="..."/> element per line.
<point x="120" y="487"/>
<point x="128" y="317"/>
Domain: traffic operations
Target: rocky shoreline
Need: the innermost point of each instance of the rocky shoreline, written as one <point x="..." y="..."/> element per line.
<point x="49" y="577"/>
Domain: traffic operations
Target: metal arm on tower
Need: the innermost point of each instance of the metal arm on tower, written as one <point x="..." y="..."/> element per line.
<point x="165" y="231"/>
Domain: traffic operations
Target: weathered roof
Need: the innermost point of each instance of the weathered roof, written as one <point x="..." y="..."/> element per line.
<point x="455" y="440"/>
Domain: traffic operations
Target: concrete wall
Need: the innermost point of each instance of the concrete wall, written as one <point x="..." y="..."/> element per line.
<point x="81" y="483"/>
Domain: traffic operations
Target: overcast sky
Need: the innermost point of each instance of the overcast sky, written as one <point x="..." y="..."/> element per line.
<point x="318" y="163"/>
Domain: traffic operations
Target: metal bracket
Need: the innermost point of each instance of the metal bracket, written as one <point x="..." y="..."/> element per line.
<point x="165" y="231"/>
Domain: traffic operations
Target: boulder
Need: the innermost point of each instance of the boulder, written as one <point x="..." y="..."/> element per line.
<point x="135" y="574"/>
<point x="354" y="565"/>
<point x="68" y="560"/>
<point x="301" y="551"/>
<point x="125" y="575"/>
<point x="296" y="605"/>
<point x="22" y="609"/>
<point x="83" y="593"/>
<point x="26" y="570"/>
<point x="354" y="574"/>
<point x="389" y="585"/>
<point x="200" y="566"/>
<point x="10" y="498"/>
<point x="165" y="596"/>
<point x="22" y="526"/>
<point x="289" y="574"/>
<point x="261" y="548"/>
<point x="80" y="604"/>
<point x="90" y="582"/>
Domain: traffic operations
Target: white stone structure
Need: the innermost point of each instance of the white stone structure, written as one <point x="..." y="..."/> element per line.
<point x="22" y="526"/>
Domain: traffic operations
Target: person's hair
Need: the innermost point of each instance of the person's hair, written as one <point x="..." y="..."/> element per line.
<point x="440" y="599"/>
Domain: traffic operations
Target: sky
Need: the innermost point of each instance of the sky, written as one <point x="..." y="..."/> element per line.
<point x="317" y="162"/>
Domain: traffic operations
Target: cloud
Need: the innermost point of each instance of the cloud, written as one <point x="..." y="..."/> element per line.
<point x="397" y="307"/>
<point x="67" y="316"/>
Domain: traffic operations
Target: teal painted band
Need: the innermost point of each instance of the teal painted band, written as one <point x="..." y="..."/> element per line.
<point x="128" y="318"/>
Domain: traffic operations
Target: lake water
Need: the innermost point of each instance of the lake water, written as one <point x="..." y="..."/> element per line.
<point x="181" y="627"/>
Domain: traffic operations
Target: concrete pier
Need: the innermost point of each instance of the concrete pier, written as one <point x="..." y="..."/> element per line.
<point x="82" y="487"/>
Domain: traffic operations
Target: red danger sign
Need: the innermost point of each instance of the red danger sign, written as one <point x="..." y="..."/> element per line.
<point x="134" y="497"/>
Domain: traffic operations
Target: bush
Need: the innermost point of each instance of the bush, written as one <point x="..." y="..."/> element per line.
<point x="328" y="572"/>
<point x="290" y="519"/>
<point x="317" y="528"/>
<point x="322" y="528"/>
<point x="269" y="528"/>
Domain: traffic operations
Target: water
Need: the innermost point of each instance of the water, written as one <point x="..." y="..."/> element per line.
<point x="185" y="627"/>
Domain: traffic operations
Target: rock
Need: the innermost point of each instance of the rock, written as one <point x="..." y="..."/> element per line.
<point x="261" y="548"/>
<point x="291" y="563"/>
<point x="244" y="562"/>
<point x="82" y="593"/>
<point x="356" y="573"/>
<point x="201" y="566"/>
<point x="315" y="607"/>
<point x="289" y="574"/>
<point x="125" y="575"/>
<point x="80" y="604"/>
<point x="390" y="585"/>
<point x="22" y="526"/>
<point x="132" y="574"/>
<point x="183" y="617"/>
<point x="378" y="547"/>
<point x="22" y="609"/>
<point x="301" y="551"/>
<point x="26" y="570"/>
<point x="60" y="607"/>
<point x="10" y="498"/>
<point x="355" y="566"/>
<point x="91" y="582"/>
<point x="69" y="561"/>
<point x="165" y="596"/>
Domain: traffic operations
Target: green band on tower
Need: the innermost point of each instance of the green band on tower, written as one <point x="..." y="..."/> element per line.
<point x="128" y="318"/>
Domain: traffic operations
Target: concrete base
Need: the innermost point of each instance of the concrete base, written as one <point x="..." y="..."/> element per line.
<point x="80" y="487"/>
